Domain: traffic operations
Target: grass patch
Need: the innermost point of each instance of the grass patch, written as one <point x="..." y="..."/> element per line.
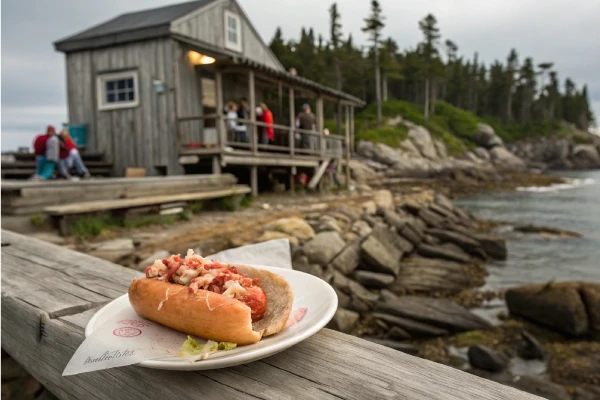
<point x="196" y="207"/>
<point x="469" y="338"/>
<point x="388" y="135"/>
<point x="91" y="226"/>
<point x="580" y="139"/>
<point x="37" y="220"/>
<point x="154" y="219"/>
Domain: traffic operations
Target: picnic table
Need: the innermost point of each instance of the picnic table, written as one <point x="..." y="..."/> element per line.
<point x="49" y="294"/>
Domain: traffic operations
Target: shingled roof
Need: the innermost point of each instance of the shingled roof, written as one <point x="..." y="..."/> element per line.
<point x="139" y="25"/>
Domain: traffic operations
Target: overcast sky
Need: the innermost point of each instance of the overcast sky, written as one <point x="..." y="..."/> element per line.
<point x="33" y="74"/>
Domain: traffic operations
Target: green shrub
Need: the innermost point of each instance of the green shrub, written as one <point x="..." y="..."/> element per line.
<point x="37" y="220"/>
<point x="388" y="135"/>
<point x="580" y="139"/>
<point x="91" y="226"/>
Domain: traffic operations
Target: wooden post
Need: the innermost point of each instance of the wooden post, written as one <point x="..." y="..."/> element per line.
<point x="293" y="180"/>
<point x="347" y="147"/>
<point x="252" y="104"/>
<point x="280" y="92"/>
<point x="220" y="123"/>
<point x="254" y="180"/>
<point x="320" y="126"/>
<point x="352" y="129"/>
<point x="216" y="165"/>
<point x="292" y="137"/>
<point x="338" y="119"/>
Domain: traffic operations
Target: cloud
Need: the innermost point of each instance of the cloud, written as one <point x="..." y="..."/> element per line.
<point x="33" y="74"/>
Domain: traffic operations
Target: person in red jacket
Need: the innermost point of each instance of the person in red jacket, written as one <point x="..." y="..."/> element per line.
<point x="70" y="157"/>
<point x="267" y="118"/>
<point x="44" y="167"/>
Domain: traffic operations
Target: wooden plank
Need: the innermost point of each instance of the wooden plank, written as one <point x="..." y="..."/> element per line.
<point x="95" y="206"/>
<point x="328" y="365"/>
<point x="292" y="138"/>
<point x="254" y="180"/>
<point x="265" y="160"/>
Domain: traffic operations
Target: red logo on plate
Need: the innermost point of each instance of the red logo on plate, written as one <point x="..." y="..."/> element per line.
<point x="127" y="332"/>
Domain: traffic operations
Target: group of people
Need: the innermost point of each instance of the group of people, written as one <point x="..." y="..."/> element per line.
<point x="236" y="114"/>
<point x="54" y="150"/>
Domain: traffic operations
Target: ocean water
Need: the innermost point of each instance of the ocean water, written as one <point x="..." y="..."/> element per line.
<point x="534" y="258"/>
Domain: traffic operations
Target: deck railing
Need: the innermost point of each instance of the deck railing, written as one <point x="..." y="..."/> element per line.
<point x="215" y="131"/>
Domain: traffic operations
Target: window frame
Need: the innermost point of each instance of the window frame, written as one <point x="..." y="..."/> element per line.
<point x="228" y="44"/>
<point x="101" y="80"/>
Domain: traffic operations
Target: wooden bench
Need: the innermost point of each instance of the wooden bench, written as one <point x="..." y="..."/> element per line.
<point x="49" y="294"/>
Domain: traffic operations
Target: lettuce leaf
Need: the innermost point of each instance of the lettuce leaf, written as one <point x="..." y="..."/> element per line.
<point x="191" y="347"/>
<point x="227" y="346"/>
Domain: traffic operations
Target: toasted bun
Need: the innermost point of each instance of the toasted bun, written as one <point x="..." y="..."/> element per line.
<point x="210" y="315"/>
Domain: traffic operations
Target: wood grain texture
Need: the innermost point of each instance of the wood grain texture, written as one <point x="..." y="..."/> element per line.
<point x="42" y="333"/>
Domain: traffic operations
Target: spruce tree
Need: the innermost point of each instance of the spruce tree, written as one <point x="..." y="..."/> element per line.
<point x="373" y="26"/>
<point x="429" y="51"/>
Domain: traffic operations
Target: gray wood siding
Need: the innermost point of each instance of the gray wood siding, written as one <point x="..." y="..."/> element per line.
<point x="143" y="136"/>
<point x="207" y="25"/>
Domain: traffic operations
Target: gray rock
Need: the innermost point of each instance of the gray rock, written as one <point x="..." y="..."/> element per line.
<point x="343" y="298"/>
<point x="112" y="250"/>
<point x="422" y="141"/>
<point x="483" y="357"/>
<point x="558" y="305"/>
<point x="466" y="243"/>
<point x="486" y="137"/>
<point x="370" y="219"/>
<point x="431" y="218"/>
<point x="505" y="160"/>
<point x="369" y="207"/>
<point x="348" y="259"/>
<point x="361" y="172"/>
<point x="530" y="348"/>
<point x="49" y="237"/>
<point x="405" y="227"/>
<point x="431" y="240"/>
<point x="386" y="260"/>
<point x="148" y="261"/>
<point x="293" y="226"/>
<point x="493" y="246"/>
<point x="361" y="228"/>
<point x="447" y="252"/>
<point x="384" y="199"/>
<point x="409" y="148"/>
<point x="585" y="156"/>
<point x="415" y="328"/>
<point x="387" y="295"/>
<point x="379" y="152"/>
<point x="341" y="282"/>
<point x="323" y="247"/>
<point x="443" y="201"/>
<point x="373" y="280"/>
<point x="436" y="312"/>
<point x="328" y="226"/>
<point x="440" y="149"/>
<point x="403" y="347"/>
<point x="398" y="333"/>
<point x="345" y="320"/>
<point x="313" y="269"/>
<point x="360" y="292"/>
<point x="360" y="306"/>
<point x="540" y="387"/>
<point x="482" y="154"/>
<point x="390" y="238"/>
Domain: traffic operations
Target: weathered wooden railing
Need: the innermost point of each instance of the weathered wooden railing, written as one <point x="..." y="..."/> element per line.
<point x="212" y="131"/>
<point x="49" y="294"/>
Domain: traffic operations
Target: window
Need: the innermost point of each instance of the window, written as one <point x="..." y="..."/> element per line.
<point x="117" y="90"/>
<point x="233" y="31"/>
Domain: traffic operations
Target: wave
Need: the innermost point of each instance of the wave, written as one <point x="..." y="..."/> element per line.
<point x="570" y="184"/>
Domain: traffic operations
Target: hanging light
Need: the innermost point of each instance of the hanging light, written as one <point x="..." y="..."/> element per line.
<point x="199" y="59"/>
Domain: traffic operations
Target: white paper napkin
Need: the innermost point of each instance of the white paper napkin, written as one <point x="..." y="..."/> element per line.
<point x="125" y="338"/>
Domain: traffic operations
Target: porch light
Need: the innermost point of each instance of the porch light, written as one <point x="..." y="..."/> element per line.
<point x="199" y="59"/>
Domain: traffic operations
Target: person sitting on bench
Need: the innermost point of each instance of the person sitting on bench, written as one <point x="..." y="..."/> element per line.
<point x="70" y="157"/>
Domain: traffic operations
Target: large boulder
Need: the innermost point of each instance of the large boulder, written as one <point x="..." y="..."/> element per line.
<point x="447" y="251"/>
<point x="384" y="199"/>
<point x="345" y="320"/>
<point x="494" y="246"/>
<point x="323" y="247"/>
<point x="585" y="156"/>
<point x="293" y="226"/>
<point x="482" y="154"/>
<point x="361" y="172"/>
<point x="483" y="357"/>
<point x="562" y="306"/>
<point x="379" y="152"/>
<point x="422" y="140"/>
<point x="414" y="328"/>
<point x="273" y="235"/>
<point x="348" y="259"/>
<point x="436" y="312"/>
<point x="441" y="149"/>
<point x="466" y="243"/>
<point x="505" y="160"/>
<point x="409" y="148"/>
<point x="433" y="275"/>
<point x="486" y="137"/>
<point x="373" y="280"/>
<point x="381" y="258"/>
<point x="390" y="238"/>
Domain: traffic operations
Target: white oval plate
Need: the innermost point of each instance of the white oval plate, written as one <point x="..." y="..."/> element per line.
<point x="309" y="291"/>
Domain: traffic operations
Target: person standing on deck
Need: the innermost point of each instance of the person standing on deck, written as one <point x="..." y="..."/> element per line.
<point x="242" y="128"/>
<point x="70" y="157"/>
<point x="44" y="168"/>
<point x="231" y="118"/>
<point x="260" y="130"/>
<point x="268" y="133"/>
<point x="308" y="121"/>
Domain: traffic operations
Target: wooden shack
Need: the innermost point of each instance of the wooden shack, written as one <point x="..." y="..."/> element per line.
<point x="152" y="86"/>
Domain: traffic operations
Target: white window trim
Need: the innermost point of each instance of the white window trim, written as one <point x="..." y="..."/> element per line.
<point x="100" y="94"/>
<point x="229" y="45"/>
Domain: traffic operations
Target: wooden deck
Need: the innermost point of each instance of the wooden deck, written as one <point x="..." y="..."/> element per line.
<point x="27" y="197"/>
<point x="49" y="294"/>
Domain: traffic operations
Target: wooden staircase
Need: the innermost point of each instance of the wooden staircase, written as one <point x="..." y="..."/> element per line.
<point x="23" y="166"/>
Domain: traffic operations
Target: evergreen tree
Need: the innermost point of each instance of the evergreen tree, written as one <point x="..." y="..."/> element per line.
<point x="512" y="65"/>
<point x="390" y="67"/>
<point x="429" y="51"/>
<point x="373" y="26"/>
<point x="526" y="89"/>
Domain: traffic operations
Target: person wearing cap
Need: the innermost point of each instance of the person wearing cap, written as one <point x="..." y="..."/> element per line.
<point x="46" y="149"/>
<point x="241" y="129"/>
<point x="307" y="121"/>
